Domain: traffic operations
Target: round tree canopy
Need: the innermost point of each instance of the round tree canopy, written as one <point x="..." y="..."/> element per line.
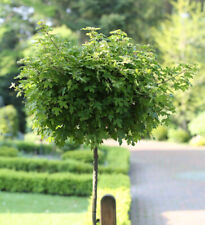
<point x="108" y="87"/>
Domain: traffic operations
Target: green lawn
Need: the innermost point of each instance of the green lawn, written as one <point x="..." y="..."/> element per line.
<point x="39" y="209"/>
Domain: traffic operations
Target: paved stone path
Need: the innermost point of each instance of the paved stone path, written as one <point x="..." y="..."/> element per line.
<point x="168" y="187"/>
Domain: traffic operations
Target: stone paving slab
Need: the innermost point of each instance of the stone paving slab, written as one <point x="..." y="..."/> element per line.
<point x="168" y="187"/>
<point x="167" y="183"/>
<point x="185" y="217"/>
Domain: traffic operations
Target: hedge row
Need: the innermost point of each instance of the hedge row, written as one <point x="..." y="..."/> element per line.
<point x="44" y="165"/>
<point x="59" y="183"/>
<point x="119" y="187"/>
<point x="117" y="158"/>
<point x="111" y="169"/>
<point x="6" y="151"/>
<point x="85" y="155"/>
<point x="29" y="147"/>
<point x="51" y="166"/>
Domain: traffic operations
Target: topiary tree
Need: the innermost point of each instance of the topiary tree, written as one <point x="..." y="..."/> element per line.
<point x="107" y="88"/>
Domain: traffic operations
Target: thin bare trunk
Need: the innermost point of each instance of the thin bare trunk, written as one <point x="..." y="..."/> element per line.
<point x="95" y="183"/>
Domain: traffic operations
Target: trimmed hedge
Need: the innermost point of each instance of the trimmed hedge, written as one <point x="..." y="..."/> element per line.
<point x="111" y="170"/>
<point x="8" y="151"/>
<point x="59" y="183"/>
<point x="84" y="156"/>
<point x="44" y="165"/>
<point x="52" y="166"/>
<point x="119" y="187"/>
<point x="119" y="164"/>
<point x="117" y="159"/>
<point x="29" y="147"/>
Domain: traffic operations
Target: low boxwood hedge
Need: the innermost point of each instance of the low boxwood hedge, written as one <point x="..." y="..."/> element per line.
<point x="58" y="183"/>
<point x="6" y="151"/>
<point x="44" y="165"/>
<point x="84" y="155"/>
<point x="119" y="187"/>
<point x="117" y="159"/>
<point x="52" y="166"/>
<point x="29" y="147"/>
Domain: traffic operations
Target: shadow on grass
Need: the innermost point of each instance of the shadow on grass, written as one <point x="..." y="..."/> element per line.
<point x="40" y="203"/>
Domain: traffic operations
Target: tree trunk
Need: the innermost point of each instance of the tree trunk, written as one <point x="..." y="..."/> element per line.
<point x="168" y="7"/>
<point x="95" y="182"/>
<point x="199" y="1"/>
<point x="202" y="5"/>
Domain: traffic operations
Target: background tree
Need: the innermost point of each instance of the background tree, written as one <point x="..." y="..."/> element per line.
<point x="18" y="22"/>
<point x="180" y="39"/>
<point x="17" y="27"/>
<point x="8" y="122"/>
<point x="107" y="88"/>
<point x="134" y="17"/>
<point x="201" y="2"/>
<point x="197" y="125"/>
<point x="14" y="30"/>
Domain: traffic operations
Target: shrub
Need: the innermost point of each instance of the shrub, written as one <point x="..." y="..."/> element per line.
<point x="116" y="159"/>
<point x="179" y="136"/>
<point x="112" y="170"/>
<point x="83" y="155"/>
<point x="69" y="145"/>
<point x="196" y="126"/>
<point x="160" y="133"/>
<point x="45" y="165"/>
<point x="54" y="166"/>
<point x="64" y="184"/>
<point x="8" y="151"/>
<point x="197" y="141"/>
<point x="60" y="183"/>
<point x="29" y="147"/>
<point x="119" y="187"/>
<point x="8" y="122"/>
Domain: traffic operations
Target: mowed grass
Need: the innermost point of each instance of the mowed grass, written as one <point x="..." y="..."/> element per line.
<point x="39" y="209"/>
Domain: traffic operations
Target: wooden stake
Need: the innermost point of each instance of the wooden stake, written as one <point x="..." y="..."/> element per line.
<point x="108" y="210"/>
